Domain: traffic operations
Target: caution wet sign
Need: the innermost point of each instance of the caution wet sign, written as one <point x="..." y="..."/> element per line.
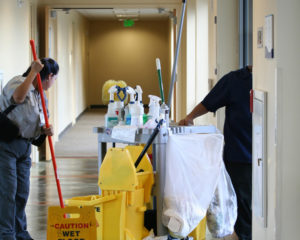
<point x="71" y="223"/>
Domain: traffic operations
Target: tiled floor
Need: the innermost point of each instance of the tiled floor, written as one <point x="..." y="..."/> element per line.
<point x="78" y="177"/>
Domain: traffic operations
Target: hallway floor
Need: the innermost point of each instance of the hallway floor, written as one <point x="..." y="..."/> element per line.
<point x="76" y="157"/>
<point x="78" y="177"/>
<point x="77" y="172"/>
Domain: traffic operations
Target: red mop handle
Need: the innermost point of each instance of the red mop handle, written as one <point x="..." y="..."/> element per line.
<point x="47" y="125"/>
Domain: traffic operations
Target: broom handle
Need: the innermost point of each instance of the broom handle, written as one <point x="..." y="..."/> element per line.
<point x="173" y="78"/>
<point x="149" y="142"/>
<point x="47" y="125"/>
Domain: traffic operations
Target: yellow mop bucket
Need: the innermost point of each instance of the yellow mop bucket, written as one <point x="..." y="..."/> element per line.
<point x="81" y="226"/>
<point x="109" y="212"/>
<point x="120" y="209"/>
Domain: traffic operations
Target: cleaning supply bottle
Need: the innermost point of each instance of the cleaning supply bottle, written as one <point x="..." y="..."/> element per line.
<point x="137" y="110"/>
<point x="129" y="106"/>
<point x="154" y="111"/>
<point x="127" y="116"/>
<point x="119" y="105"/>
<point x="154" y="107"/>
<point x="164" y="113"/>
<point x="139" y="101"/>
<point x="136" y="115"/>
<point x="111" y="117"/>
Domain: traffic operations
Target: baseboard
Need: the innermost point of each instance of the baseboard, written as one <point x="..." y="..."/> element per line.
<point x="70" y="124"/>
<point x="76" y="119"/>
<point x="98" y="106"/>
<point x="64" y="131"/>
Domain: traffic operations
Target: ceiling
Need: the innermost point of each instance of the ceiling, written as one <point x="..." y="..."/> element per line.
<point x="124" y="13"/>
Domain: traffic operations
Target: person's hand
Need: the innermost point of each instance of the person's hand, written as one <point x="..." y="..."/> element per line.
<point x="36" y="66"/>
<point x="48" y="131"/>
<point x="186" y="122"/>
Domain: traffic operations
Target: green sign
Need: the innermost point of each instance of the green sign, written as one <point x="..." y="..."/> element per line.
<point x="128" y="23"/>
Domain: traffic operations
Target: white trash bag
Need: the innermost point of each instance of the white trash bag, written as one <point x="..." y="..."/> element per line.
<point x="222" y="212"/>
<point x="193" y="165"/>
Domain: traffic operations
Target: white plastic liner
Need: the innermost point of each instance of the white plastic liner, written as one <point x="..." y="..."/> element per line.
<point x="222" y="212"/>
<point x="193" y="166"/>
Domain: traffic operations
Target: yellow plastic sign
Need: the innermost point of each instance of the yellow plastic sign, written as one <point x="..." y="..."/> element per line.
<point x="80" y="223"/>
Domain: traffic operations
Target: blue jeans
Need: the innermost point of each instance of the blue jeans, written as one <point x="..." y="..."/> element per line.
<point x="15" y="163"/>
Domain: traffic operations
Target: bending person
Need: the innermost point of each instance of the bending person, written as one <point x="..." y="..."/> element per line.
<point x="15" y="161"/>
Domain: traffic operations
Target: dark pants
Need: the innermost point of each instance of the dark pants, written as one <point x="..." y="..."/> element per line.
<point x="15" y="166"/>
<point x="241" y="177"/>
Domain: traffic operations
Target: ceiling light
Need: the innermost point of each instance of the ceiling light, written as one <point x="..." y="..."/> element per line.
<point x="127" y="13"/>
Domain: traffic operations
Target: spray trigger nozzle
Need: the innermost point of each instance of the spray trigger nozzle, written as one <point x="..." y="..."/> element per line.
<point x="121" y="90"/>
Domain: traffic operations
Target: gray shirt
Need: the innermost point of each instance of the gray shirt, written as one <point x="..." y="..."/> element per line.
<point x="27" y="115"/>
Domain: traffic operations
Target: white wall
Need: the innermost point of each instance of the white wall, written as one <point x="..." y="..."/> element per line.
<point x="193" y="64"/>
<point x="15" y="52"/>
<point x="197" y="55"/>
<point x="264" y="79"/>
<point x="212" y="51"/>
<point x="202" y="38"/>
<point x="72" y="38"/>
<point x="17" y="27"/>
<point x="227" y="44"/>
<point x="287" y="50"/>
<point x="64" y="81"/>
<point x="227" y="36"/>
<point x="279" y="77"/>
<point x="206" y="46"/>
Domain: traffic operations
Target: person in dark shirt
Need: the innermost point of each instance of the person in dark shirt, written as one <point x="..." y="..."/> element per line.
<point x="233" y="92"/>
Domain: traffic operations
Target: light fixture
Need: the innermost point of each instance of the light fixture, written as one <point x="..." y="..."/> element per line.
<point x="126" y="13"/>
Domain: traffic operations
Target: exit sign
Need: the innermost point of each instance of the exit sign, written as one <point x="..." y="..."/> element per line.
<point x="128" y="23"/>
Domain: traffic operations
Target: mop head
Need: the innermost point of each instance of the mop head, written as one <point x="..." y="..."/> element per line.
<point x="106" y="87"/>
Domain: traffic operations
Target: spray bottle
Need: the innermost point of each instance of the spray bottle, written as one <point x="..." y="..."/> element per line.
<point x="164" y="114"/>
<point x="129" y="106"/>
<point x="153" y="114"/>
<point x="119" y="105"/>
<point x="154" y="107"/>
<point x="111" y="117"/>
<point x="136" y="109"/>
<point x="139" y="102"/>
